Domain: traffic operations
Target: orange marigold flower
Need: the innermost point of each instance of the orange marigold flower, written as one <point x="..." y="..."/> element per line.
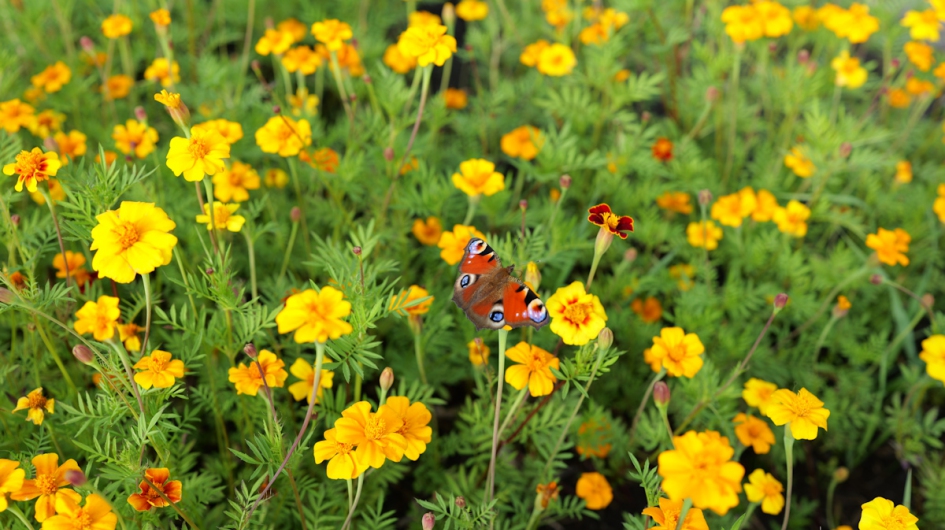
<point x="248" y="379"/>
<point x="532" y="52"/>
<point x="455" y="98"/>
<point x="96" y="514"/>
<point x="890" y="245"/>
<point x="11" y="480"/>
<point x="679" y="352"/>
<point x="117" y="86"/>
<point x="729" y="210"/>
<point x="160" y="70"/>
<point x="401" y="301"/>
<point x="56" y="192"/>
<point x="453" y="244"/>
<point x="429" y="44"/>
<point x="15" y="114"/>
<point x="700" y="467"/>
<point x="128" y="334"/>
<point x="423" y="18"/>
<point x="923" y="25"/>
<point x="478" y="177"/>
<point x="75" y="262"/>
<point x="135" y="136"/>
<point x="160" y="17"/>
<point x="758" y="393"/>
<point x="325" y="159"/>
<point x="533" y="370"/>
<point x="274" y="42"/>
<point x="602" y="216"/>
<point x="666" y="516"/>
<point x="301" y="59"/>
<point x="478" y="353"/>
<point x="523" y="142"/>
<point x="649" y="310"/>
<point x="233" y="184"/>
<point x="415" y="428"/>
<point x="284" y="136"/>
<point x="556" y="60"/>
<point x="806" y="17"/>
<point x="938" y="206"/>
<point x="332" y="33"/>
<point x="898" y="98"/>
<point x="591" y="436"/>
<point x="753" y="432"/>
<point x="675" y="201"/>
<point x="35" y="403"/>
<point x="49" y="485"/>
<point x="662" y="149"/>
<point x="655" y="361"/>
<point x="32" y="167"/>
<point x="70" y="145"/>
<point x="803" y="411"/>
<point x="293" y="27"/>
<point x="315" y="316"/>
<point x="595" y="490"/>
<point x="764" y="488"/>
<point x="547" y="493"/>
<point x="306" y="372"/>
<point x="849" y="72"/>
<point x="53" y="77"/>
<point x="150" y="497"/>
<point x="576" y="315"/>
<point x="427" y="232"/>
<point x="159" y="370"/>
<point x="903" y="172"/>
<point x="704" y="234"/>
<point x="765" y="207"/>
<point x="397" y="61"/>
<point x="920" y="54"/>
<point x="919" y="87"/>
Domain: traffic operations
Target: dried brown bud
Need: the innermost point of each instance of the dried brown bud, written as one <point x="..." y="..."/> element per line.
<point x="83" y="353"/>
<point x="75" y="477"/>
<point x="711" y="94"/>
<point x="661" y="393"/>
<point x="630" y="255"/>
<point x="276" y="109"/>
<point x="605" y="339"/>
<point x="428" y="521"/>
<point x="295" y="214"/>
<point x="876" y="279"/>
<point x="645" y="117"/>
<point x="803" y="56"/>
<point x="705" y="197"/>
<point x="780" y="301"/>
<point x="460" y="502"/>
<point x="565" y="181"/>
<point x="928" y="301"/>
<point x="841" y="474"/>
<point x="356" y="251"/>
<point x="87" y="44"/>
<point x="250" y="350"/>
<point x="387" y="378"/>
<point x="388" y="154"/>
<point x="6" y="295"/>
<point x="15" y="219"/>
<point x="845" y="149"/>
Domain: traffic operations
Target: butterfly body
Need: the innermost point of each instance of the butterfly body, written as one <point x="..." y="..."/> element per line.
<point x="490" y="296"/>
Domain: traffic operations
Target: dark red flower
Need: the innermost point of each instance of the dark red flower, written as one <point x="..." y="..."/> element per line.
<point x="663" y="150"/>
<point x="601" y="215"/>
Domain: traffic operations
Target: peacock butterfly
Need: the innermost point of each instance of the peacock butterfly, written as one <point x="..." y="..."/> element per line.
<point x="490" y="296"/>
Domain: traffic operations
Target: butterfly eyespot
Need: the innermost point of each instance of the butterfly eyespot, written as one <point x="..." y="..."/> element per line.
<point x="464" y="281"/>
<point x="476" y="246"/>
<point x="537" y="311"/>
<point x="496" y="316"/>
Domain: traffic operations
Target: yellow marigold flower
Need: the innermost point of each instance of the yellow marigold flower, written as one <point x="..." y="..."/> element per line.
<point x="903" y="172"/>
<point x="75" y="261"/>
<point x="923" y="25"/>
<point x="775" y="18"/>
<point x="135" y="136"/>
<point x="532" y="52"/>
<point x="56" y="193"/>
<point x="882" y="514"/>
<point x="397" y="61"/>
<point x="700" y="468"/>
<point x="843" y="303"/>
<point x="849" y="72"/>
<point x="150" y="498"/>
<point x="293" y="27"/>
<point x="49" y="485"/>
<point x="160" y="370"/>
<point x="53" y="77"/>
<point x="621" y="76"/>
<point x="160" y="17"/>
<point x="920" y="54"/>
<point x="939" y="205"/>
<point x="898" y="98"/>
<point x="666" y="516"/>
<point x="729" y="210"/>
<point x="478" y="177"/>
<point x="427" y="232"/>
<point x="116" y="25"/>
<point x="478" y="353"/>
<point x="70" y="145"/>
<point x="704" y="234"/>
<point x="806" y="17"/>
<point x="743" y="23"/>
<point x="594" y="34"/>
<point x="301" y="59"/>
<point x="332" y="33"/>
<point x="649" y="310"/>
<point x="128" y="334"/>
<point x="223" y="218"/>
<point x="576" y="316"/>
<point x="276" y="178"/>
<point x="595" y="490"/>
<point x="799" y="163"/>
<point x="45" y="123"/>
<point x="118" y="86"/>
<point x="248" y="379"/>
<point x="134" y="239"/>
<point x="556" y="13"/>
<point x="919" y="87"/>
<point x="98" y="318"/>
<point x="792" y="219"/>
<point x="803" y="411"/>
<point x="33" y="167"/>
<point x="680" y="352"/>
<point x="753" y="432"/>
<point x="161" y="71"/>
<point x="375" y="434"/>
<point x="429" y="44"/>
<point x="758" y="393"/>
<point x="315" y="316"/>
<point x="652" y="359"/>
<point x="414" y="293"/>
<point x="556" y="60"/>
<point x="933" y="354"/>
<point x="423" y="18"/>
<point x="767" y="204"/>
<point x="455" y="98"/>
<point x="472" y="10"/>
<point x="95" y="515"/>
<point x="764" y="488"/>
<point x="306" y="372"/>
<point x="284" y="136"/>
<point x="854" y="24"/>
<point x="11" y="480"/>
<point x="171" y="100"/>
<point x="35" y="403"/>
<point x="342" y="463"/>
<point x="453" y="244"/>
<point x="274" y="42"/>
<point x="15" y="114"/>
<point x="200" y="155"/>
<point x="533" y="370"/>
<point x="233" y="184"/>
<point x="34" y="94"/>
<point x="675" y="201"/>
<point x="415" y="428"/>
<point x="523" y="142"/>
<point x="890" y="245"/>
<point x="349" y="58"/>
<point x="231" y="131"/>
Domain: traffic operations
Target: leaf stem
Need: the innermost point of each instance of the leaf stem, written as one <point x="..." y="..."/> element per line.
<point x="490" y="482"/>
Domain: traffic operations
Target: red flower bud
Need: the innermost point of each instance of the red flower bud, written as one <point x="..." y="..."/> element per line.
<point x="428" y="521"/>
<point x="356" y="251"/>
<point x="250" y="350"/>
<point x="630" y="255"/>
<point x="15" y="219"/>
<point x="140" y="114"/>
<point x="845" y="149"/>
<point x="87" y="44"/>
<point x="780" y="300"/>
<point x="387" y="378"/>
<point x="661" y="393"/>
<point x="523" y="204"/>
<point x="876" y="279"/>
<point x="711" y="94"/>
<point x="83" y="353"/>
<point x="295" y="214"/>
<point x="565" y="181"/>
<point x="388" y="154"/>
<point x="460" y="502"/>
<point x="803" y="56"/>
<point x="276" y="109"/>
<point x="75" y="477"/>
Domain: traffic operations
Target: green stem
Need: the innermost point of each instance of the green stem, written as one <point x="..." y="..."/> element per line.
<point x="471" y="209"/>
<point x="52" y="351"/>
<point x="590" y="275"/>
<point x="733" y="126"/>
<point x="146" y="281"/>
<point x="293" y="170"/>
<point x="252" y="263"/>
<point x="822" y="338"/>
<point x="418" y="351"/>
<point x="19" y="515"/>
<point x="62" y="247"/>
<point x="490" y="481"/>
<point x="789" y="456"/>
<point x="646" y="397"/>
<point x="288" y="251"/>
<point x="687" y="504"/>
<point x="336" y="73"/>
<point x="354" y="505"/>
<point x="522" y="394"/>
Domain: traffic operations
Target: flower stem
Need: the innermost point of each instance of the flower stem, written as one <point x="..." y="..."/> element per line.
<point x="522" y="395"/>
<point x="490" y="482"/>
<point x="293" y="170"/>
<point x="252" y="264"/>
<point x="62" y="246"/>
<point x="19" y="515"/>
<point x="288" y="251"/>
<point x="123" y="355"/>
<point x="172" y="504"/>
<point x="427" y="71"/>
<point x="319" y="359"/>
<point x="646" y="397"/>
<point x="736" y="72"/>
<point x="471" y="209"/>
<point x="789" y="457"/>
<point x="146" y="280"/>
<point x="55" y="355"/>
<point x="590" y="275"/>
<point x="418" y="351"/>
<point x="354" y="505"/>
<point x="336" y="73"/>
<point x="687" y="504"/>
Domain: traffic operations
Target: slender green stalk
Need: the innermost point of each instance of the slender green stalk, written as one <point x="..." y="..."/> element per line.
<point x="823" y="337"/>
<point x="418" y="352"/>
<point x="789" y="456"/>
<point x="687" y="504"/>
<point x="646" y="397"/>
<point x="146" y="281"/>
<point x="247" y="43"/>
<point x="490" y="481"/>
<point x="288" y="251"/>
<point x="354" y="505"/>
<point x="471" y="209"/>
<point x="427" y="71"/>
<point x="252" y="263"/>
<point x="733" y="125"/>
<point x="522" y="395"/>
<point x="52" y="351"/>
<point x="336" y="73"/>
<point x="55" y="220"/>
<point x="19" y="515"/>
<point x="293" y="170"/>
<point x="126" y="362"/>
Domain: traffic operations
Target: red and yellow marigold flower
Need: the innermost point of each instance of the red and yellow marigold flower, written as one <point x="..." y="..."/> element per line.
<point x="11" y="480"/>
<point x="429" y="44"/>
<point x="666" y="516"/>
<point x="342" y="463"/>
<point x="662" y="149"/>
<point x="602" y="216"/>
<point x="453" y="244"/>
<point x="160" y="370"/>
<point x="533" y="370"/>
<point x="478" y="177"/>
<point x="764" y="488"/>
<point x="700" y="468"/>
<point x="36" y="406"/>
<point x="882" y="514"/>
<point x="375" y="434"/>
<point x="306" y="372"/>
<point x="135" y="137"/>
<point x="75" y="269"/>
<point x="704" y="234"/>
<point x="315" y="316"/>
<point x="649" y="310"/>
<point x="151" y="497"/>
<point x="595" y="490"/>
<point x="753" y="432"/>
<point x="803" y="411"/>
<point x="523" y="142"/>
<point x="680" y="352"/>
<point x="546" y="493"/>
<point x="134" y="239"/>
<point x="98" y="318"/>
<point x="456" y="99"/>
<point x="890" y="245"/>
<point x="95" y="515"/>
<point x="200" y="155"/>
<point x="284" y="136"/>
<point x="48" y="487"/>
<point x="248" y="379"/>
<point x="576" y="316"/>
<point x="33" y="167"/>
<point x="53" y="77"/>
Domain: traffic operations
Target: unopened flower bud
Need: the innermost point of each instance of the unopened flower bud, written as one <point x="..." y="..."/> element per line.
<point x="250" y="350"/>
<point x="83" y="353"/>
<point x="927" y="301"/>
<point x="780" y="301"/>
<point x="295" y="214"/>
<point x="15" y="219"/>
<point x="388" y="154"/>
<point x="803" y="56"/>
<point x="841" y="474"/>
<point x="468" y="47"/>
<point x="845" y="149"/>
<point x="387" y="378"/>
<point x="428" y="521"/>
<point x="876" y="279"/>
<point x="366" y="78"/>
<point x="630" y="255"/>
<point x="705" y="197"/>
<point x="276" y="109"/>
<point x="448" y="14"/>
<point x="460" y="502"/>
<point x="711" y="94"/>
<point x="894" y="63"/>
<point x="661" y="393"/>
<point x="353" y="97"/>
<point x="565" y="181"/>
<point x="75" y="477"/>
<point x="209" y="271"/>
<point x="645" y="117"/>
<point x="6" y="295"/>
<point x="356" y="251"/>
<point x="87" y="44"/>
<point x="532" y="275"/>
<point x="605" y="339"/>
<point x="140" y="114"/>
<point x="523" y="204"/>
<point x="772" y="46"/>
<point x="254" y="65"/>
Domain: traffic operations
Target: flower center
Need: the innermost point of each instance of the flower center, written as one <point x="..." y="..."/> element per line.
<point x="154" y="493"/>
<point x="893" y="522"/>
<point x="81" y="520"/>
<point x="611" y="220"/>
<point x="374" y="428"/>
<point x="676" y="352"/>
<point x="578" y="313"/>
<point x="801" y="407"/>
<point x="156" y="365"/>
<point x="198" y="148"/>
<point x="127" y="235"/>
<point x="771" y="489"/>
<point x="37" y="401"/>
<point x="31" y="164"/>
<point x="236" y="179"/>
<point x="46" y="484"/>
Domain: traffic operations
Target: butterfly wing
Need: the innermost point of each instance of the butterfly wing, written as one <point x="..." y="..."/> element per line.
<point x="521" y="306"/>
<point x="479" y="263"/>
